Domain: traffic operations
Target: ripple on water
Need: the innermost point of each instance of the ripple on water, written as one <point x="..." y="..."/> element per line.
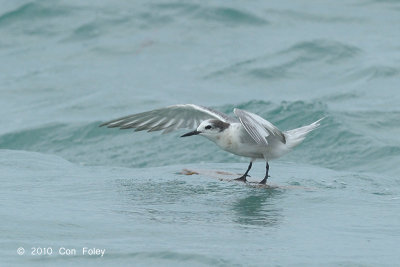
<point x="293" y="61"/>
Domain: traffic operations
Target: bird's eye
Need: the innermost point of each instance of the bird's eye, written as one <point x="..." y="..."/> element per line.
<point x="208" y="127"/>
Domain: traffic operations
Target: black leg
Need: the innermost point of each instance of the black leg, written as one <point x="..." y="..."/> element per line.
<point x="264" y="181"/>
<point x="243" y="177"/>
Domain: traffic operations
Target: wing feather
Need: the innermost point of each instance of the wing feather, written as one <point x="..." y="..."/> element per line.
<point x="169" y="118"/>
<point x="258" y="128"/>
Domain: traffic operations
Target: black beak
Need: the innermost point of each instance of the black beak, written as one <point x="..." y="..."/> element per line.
<point x="195" y="132"/>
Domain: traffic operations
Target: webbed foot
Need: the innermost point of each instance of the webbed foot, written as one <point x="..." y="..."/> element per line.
<point x="241" y="178"/>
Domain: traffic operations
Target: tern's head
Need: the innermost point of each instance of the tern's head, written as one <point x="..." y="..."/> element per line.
<point x="209" y="128"/>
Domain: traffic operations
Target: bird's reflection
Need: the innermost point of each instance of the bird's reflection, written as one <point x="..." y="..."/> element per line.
<point x="258" y="208"/>
<point x="163" y="200"/>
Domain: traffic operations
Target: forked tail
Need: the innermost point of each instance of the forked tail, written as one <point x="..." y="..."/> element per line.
<point x="296" y="136"/>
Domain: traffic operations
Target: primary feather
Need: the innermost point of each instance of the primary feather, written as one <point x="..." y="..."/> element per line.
<point x="169" y="118"/>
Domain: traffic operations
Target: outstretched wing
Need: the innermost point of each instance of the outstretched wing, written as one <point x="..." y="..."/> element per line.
<point x="258" y="128"/>
<point x="168" y="118"/>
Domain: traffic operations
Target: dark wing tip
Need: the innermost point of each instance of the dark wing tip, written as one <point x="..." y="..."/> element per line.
<point x="106" y="124"/>
<point x="283" y="138"/>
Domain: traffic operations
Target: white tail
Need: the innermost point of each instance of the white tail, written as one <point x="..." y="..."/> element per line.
<point x="296" y="136"/>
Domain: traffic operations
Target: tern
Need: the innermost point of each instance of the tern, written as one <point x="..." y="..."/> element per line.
<point x="248" y="135"/>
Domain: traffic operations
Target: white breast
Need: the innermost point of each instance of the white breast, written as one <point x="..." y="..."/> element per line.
<point x="236" y="140"/>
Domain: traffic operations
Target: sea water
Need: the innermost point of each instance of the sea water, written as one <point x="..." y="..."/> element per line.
<point x="75" y="194"/>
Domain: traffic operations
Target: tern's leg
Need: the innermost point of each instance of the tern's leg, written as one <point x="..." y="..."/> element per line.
<point x="243" y="177"/>
<point x="264" y="181"/>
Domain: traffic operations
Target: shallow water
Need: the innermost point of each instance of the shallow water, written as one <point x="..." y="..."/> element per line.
<point x="68" y="66"/>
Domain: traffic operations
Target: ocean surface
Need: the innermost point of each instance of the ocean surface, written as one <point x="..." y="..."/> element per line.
<point x="70" y="187"/>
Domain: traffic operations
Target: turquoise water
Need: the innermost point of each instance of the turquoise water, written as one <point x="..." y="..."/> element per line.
<point x="68" y="66"/>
